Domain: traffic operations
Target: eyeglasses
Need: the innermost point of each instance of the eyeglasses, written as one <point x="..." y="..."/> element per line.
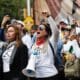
<point x="41" y="27"/>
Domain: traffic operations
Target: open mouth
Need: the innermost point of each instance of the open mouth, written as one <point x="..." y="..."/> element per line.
<point x="38" y="32"/>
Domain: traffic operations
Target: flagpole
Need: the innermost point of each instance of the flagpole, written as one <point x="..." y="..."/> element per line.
<point x="28" y="8"/>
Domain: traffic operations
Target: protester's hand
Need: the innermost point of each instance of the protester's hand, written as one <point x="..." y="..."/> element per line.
<point x="45" y="14"/>
<point x="5" y="19"/>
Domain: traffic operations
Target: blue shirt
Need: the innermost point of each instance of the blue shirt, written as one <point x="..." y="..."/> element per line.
<point x="59" y="49"/>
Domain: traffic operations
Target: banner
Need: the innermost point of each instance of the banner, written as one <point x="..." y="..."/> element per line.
<point x="59" y="9"/>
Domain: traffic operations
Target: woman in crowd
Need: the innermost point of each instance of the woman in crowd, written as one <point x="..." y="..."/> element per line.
<point x="44" y="64"/>
<point x="15" y="56"/>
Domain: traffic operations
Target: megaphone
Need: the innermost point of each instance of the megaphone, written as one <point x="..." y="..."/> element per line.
<point x="30" y="69"/>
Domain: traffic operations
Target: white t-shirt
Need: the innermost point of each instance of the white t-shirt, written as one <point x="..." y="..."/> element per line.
<point x="6" y="59"/>
<point x="44" y="61"/>
<point x="26" y="39"/>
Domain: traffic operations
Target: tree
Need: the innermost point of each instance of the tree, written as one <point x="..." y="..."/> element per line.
<point x="12" y="7"/>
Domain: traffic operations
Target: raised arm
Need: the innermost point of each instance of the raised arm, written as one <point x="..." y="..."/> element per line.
<point x="55" y="32"/>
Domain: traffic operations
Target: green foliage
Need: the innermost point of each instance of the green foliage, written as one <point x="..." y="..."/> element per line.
<point x="12" y="7"/>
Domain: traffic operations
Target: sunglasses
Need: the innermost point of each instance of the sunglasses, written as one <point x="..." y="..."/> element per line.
<point x="41" y="27"/>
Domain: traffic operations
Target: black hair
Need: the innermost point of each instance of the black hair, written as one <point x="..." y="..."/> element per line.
<point x="48" y="29"/>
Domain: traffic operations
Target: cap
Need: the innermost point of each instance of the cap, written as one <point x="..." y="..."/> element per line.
<point x="20" y="22"/>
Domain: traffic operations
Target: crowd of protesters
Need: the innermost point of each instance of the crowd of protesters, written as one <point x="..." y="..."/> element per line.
<point x="18" y="46"/>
